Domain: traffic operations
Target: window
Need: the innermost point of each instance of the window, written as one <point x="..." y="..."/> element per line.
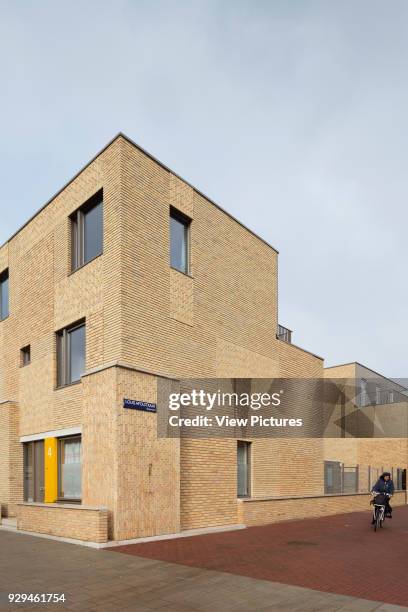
<point x="69" y="468"/>
<point x="179" y="241"/>
<point x="70" y="354"/>
<point x="364" y="399"/>
<point x="401" y="479"/>
<point x="25" y="355"/>
<point x="87" y="231"/>
<point x="350" y="479"/>
<point x="243" y="469"/>
<point x="332" y="477"/>
<point x="339" y="478"/>
<point x="4" y="295"/>
<point x="34" y="471"/>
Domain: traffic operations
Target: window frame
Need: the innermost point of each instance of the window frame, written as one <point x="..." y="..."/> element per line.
<point x="186" y="221"/>
<point x="60" y="442"/>
<point x="332" y="477"/>
<point x="63" y="354"/>
<point x="24" y="352"/>
<point x="401" y="479"/>
<point x="4" y="277"/>
<point x="38" y="475"/>
<point x="78" y="231"/>
<point x="248" y="455"/>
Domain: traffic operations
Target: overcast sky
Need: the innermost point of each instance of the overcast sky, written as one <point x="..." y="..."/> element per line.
<point x="292" y="115"/>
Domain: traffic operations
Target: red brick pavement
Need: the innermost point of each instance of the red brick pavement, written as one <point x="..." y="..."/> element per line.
<point x="337" y="554"/>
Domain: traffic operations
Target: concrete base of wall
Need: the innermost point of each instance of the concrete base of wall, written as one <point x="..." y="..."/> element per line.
<point x="253" y="511"/>
<point x="112" y="543"/>
<point x="171" y="536"/>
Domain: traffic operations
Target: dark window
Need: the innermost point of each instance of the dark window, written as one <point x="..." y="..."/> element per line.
<point x="243" y="469"/>
<point x="25" y="355"/>
<point x="70" y="354"/>
<point x="4" y="295"/>
<point x="87" y="231"/>
<point x="401" y="479"/>
<point x="179" y="241"/>
<point x="69" y="468"/>
<point x="333" y="481"/>
<point x="339" y="478"/>
<point x="34" y="471"/>
<point x="350" y="479"/>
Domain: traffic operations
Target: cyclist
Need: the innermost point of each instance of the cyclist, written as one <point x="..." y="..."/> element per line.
<point x="385" y="485"/>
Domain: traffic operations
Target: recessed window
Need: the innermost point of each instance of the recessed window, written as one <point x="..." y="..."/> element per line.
<point x="70" y="354"/>
<point x="4" y="295"/>
<point x="243" y="469"/>
<point x="333" y="478"/>
<point x="87" y="231"/>
<point x="401" y="479"/>
<point x="69" y="469"/>
<point x="25" y="355"/>
<point x="179" y="241"/>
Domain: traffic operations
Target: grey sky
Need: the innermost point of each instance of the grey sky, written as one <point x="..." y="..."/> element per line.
<point x="290" y="114"/>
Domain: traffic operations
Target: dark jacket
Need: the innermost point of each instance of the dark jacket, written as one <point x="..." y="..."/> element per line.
<point x="384" y="486"/>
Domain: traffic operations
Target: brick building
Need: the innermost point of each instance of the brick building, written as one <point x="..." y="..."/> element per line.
<point x="129" y="276"/>
<point x="374" y="432"/>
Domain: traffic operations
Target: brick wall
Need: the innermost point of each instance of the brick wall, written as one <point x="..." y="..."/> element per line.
<point x="295" y="362"/>
<point x="263" y="511"/>
<point x="208" y="483"/>
<point x="76" y="522"/>
<point x="148" y="468"/>
<point x="125" y="466"/>
<point x="11" y="465"/>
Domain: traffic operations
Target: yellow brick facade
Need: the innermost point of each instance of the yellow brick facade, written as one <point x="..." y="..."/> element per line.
<point x="74" y="522"/>
<point x="263" y="511"/>
<point x="145" y="323"/>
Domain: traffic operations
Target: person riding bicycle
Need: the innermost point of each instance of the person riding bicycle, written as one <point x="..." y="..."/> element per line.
<point x="385" y="486"/>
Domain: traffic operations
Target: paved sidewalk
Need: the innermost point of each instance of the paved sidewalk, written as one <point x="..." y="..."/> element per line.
<point x="337" y="554"/>
<point x="100" y="580"/>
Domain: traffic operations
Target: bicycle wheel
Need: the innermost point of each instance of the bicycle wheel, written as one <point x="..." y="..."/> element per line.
<point x="377" y="519"/>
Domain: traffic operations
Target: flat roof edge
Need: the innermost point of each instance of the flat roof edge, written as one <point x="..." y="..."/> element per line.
<point x="56" y="194"/>
<point x="153" y="158"/>
<point x="357" y="363"/>
<point x="341" y="365"/>
<point x="300" y="348"/>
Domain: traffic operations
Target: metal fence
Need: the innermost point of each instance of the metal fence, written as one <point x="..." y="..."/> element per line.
<point x="343" y="479"/>
<point x="284" y="334"/>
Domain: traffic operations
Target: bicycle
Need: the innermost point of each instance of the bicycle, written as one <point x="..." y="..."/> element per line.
<point x="379" y="503"/>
